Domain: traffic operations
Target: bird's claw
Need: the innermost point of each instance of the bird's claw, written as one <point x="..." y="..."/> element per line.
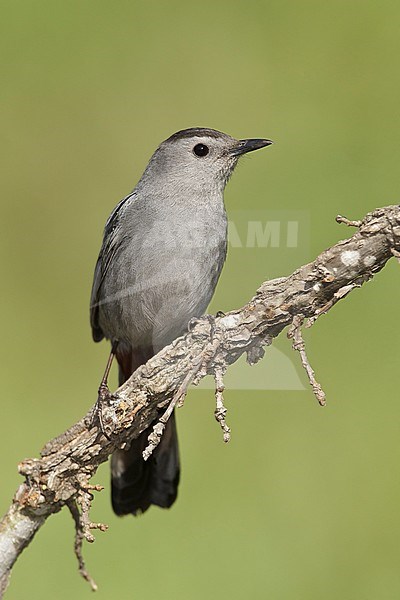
<point x="103" y="397"/>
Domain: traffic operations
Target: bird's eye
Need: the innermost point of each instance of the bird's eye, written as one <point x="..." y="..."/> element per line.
<point x="201" y="150"/>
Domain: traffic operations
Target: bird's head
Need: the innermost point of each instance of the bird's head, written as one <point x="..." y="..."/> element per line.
<point x="199" y="157"/>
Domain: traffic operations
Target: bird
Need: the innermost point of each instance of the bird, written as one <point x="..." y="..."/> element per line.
<point x="163" y="249"/>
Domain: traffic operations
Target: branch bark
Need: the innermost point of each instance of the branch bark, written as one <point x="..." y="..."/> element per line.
<point x="61" y="475"/>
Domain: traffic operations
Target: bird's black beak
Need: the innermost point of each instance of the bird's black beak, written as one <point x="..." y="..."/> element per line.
<point x="244" y="146"/>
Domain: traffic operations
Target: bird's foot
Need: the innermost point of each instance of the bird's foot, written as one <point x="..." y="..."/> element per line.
<point x="204" y="318"/>
<point x="103" y="398"/>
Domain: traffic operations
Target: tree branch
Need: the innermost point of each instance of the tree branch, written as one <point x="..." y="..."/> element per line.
<point x="61" y="475"/>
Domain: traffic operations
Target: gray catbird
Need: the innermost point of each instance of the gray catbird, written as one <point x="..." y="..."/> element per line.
<point x="163" y="249"/>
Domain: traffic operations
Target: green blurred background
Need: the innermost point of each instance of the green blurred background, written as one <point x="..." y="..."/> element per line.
<point x="304" y="502"/>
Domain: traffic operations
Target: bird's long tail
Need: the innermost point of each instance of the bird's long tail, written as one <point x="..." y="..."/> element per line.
<point x="135" y="483"/>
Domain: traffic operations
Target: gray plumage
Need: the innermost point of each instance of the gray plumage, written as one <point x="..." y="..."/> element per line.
<point x="163" y="250"/>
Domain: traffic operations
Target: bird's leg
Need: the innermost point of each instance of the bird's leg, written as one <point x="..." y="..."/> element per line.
<point x="104" y="393"/>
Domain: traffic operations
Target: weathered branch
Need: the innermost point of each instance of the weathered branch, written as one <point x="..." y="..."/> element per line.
<point x="61" y="476"/>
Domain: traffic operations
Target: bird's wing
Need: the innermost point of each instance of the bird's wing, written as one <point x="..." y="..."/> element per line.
<point x="107" y="253"/>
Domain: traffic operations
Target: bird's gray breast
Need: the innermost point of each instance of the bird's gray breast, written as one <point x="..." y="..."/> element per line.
<point x="164" y="271"/>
